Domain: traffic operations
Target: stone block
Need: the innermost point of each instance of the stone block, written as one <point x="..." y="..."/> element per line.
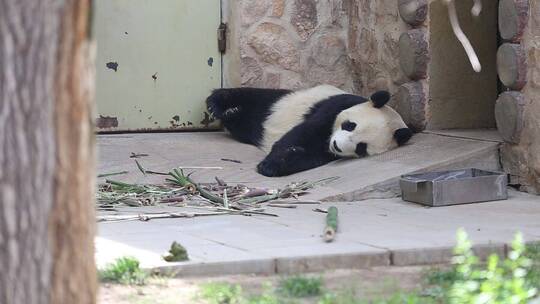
<point x="328" y="50"/>
<point x="333" y="261"/>
<point x="272" y="80"/>
<point x="274" y="45"/>
<point x="511" y="66"/>
<point x="414" y="12"/>
<point x="260" y="267"/>
<point x="304" y="18"/>
<point x="509" y="115"/>
<point x="513" y="18"/>
<point x="414" y="53"/>
<point x="251" y="71"/>
<point x="409" y="257"/>
<point x="278" y="8"/>
<point x="253" y="11"/>
<point x="411" y="104"/>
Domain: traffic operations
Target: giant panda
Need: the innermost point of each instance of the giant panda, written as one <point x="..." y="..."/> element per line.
<point x="304" y="129"/>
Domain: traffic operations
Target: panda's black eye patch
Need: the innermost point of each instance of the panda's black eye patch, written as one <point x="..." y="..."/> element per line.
<point x="361" y="149"/>
<point x="348" y="126"/>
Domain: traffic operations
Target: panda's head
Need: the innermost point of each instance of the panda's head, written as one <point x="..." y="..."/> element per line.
<point x="368" y="128"/>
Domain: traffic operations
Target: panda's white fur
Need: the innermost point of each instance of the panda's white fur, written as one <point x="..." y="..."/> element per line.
<point x="338" y="124"/>
<point x="289" y="111"/>
<point x="374" y="126"/>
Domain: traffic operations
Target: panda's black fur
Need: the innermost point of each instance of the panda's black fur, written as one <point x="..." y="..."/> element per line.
<point x="243" y="112"/>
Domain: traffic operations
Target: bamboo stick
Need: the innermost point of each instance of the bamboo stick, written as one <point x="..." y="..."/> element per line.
<point x="331" y="224"/>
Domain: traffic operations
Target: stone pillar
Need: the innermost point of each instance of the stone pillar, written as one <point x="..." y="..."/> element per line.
<point x="518" y="107"/>
<point x="414" y="60"/>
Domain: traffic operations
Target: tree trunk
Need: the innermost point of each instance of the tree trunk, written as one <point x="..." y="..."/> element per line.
<point x="46" y="153"/>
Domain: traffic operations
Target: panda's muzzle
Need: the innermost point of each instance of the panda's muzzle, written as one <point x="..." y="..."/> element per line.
<point x="336" y="147"/>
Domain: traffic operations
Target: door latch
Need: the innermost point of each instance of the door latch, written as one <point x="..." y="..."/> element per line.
<point x="222" y="37"/>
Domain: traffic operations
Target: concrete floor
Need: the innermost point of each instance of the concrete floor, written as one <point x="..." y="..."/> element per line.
<point x="372" y="232"/>
<point x="168" y="150"/>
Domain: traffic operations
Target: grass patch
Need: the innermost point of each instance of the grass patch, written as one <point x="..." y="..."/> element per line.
<point x="124" y="270"/>
<point x="267" y="297"/>
<point x="405" y="298"/>
<point x="301" y="286"/>
<point x="293" y="287"/>
<point x="222" y="293"/>
<point x="345" y="296"/>
<point x="348" y="297"/>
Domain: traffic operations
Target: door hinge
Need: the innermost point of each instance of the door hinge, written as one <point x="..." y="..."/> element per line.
<point x="222" y="37"/>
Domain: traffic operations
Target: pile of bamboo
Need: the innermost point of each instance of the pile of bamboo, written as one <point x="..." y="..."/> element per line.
<point x="179" y="190"/>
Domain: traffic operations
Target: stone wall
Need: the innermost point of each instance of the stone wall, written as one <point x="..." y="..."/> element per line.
<point x="373" y="33"/>
<point x="301" y="43"/>
<point x="293" y="44"/>
<point x="355" y="45"/>
<point x="518" y="108"/>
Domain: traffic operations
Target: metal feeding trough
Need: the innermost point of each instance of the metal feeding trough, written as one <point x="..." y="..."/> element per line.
<point x="454" y="187"/>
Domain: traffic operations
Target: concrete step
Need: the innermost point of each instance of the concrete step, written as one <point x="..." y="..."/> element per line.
<point x="372" y="177"/>
<point x="370" y="233"/>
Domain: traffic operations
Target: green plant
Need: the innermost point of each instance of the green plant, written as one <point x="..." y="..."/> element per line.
<point x="439" y="282"/>
<point x="499" y="282"/>
<point x="532" y="251"/>
<point x="124" y="270"/>
<point x="300" y="286"/>
<point x="222" y="293"/>
<point x="177" y="253"/>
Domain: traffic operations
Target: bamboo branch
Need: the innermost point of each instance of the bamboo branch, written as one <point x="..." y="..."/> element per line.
<point x="112" y="174"/>
<point x="151" y="216"/>
<point x="185" y="181"/>
<point x="140" y="167"/>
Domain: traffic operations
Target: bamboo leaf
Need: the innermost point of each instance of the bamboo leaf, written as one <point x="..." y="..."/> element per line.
<point x="140" y="167"/>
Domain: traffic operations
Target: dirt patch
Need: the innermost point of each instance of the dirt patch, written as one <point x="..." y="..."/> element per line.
<point x="364" y="283"/>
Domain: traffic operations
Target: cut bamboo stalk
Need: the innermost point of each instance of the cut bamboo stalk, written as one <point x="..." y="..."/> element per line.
<point x="112" y="174"/>
<point x="206" y="168"/>
<point x="331" y="224"/>
<point x="290" y="206"/>
<point x="140" y="167"/>
<point x="225" y="199"/>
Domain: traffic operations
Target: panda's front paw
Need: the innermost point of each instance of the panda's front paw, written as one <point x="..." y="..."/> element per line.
<point x="268" y="168"/>
<point x="281" y="161"/>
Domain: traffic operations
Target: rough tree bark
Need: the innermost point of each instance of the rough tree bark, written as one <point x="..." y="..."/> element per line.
<point x="46" y="153"/>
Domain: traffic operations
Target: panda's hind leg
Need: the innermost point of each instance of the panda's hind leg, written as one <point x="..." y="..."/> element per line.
<point x="243" y="110"/>
<point x="221" y="104"/>
<point x="230" y="107"/>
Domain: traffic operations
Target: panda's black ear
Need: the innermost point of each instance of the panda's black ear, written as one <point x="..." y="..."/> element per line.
<point x="380" y="98"/>
<point x="402" y="135"/>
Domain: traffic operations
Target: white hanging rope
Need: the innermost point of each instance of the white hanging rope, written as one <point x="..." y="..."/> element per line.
<point x="477" y="8"/>
<point x="454" y="22"/>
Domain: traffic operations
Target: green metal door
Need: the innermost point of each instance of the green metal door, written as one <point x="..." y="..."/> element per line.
<point x="156" y="63"/>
